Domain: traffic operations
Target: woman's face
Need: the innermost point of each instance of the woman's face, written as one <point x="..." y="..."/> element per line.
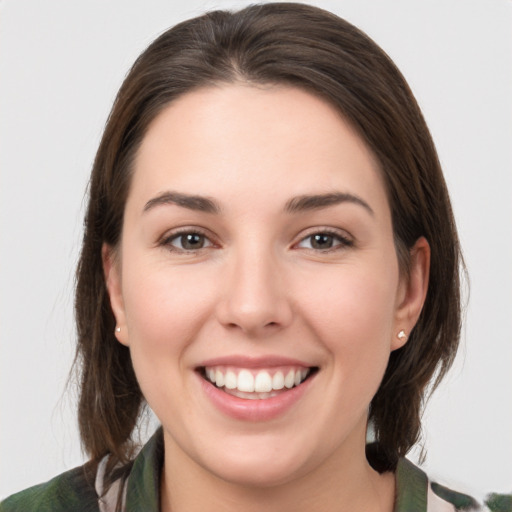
<point x="257" y="253"/>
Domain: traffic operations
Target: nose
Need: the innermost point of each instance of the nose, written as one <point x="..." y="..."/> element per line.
<point x="254" y="299"/>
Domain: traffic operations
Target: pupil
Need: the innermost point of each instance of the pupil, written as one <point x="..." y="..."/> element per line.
<point x="192" y="241"/>
<point x="322" y="241"/>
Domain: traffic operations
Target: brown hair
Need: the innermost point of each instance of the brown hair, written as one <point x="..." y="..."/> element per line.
<point x="306" y="47"/>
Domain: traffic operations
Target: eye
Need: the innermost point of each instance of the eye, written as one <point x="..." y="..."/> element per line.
<point x="324" y="241"/>
<point x="187" y="241"/>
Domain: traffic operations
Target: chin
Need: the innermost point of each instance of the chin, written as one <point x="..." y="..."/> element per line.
<point x="258" y="474"/>
<point x="263" y="465"/>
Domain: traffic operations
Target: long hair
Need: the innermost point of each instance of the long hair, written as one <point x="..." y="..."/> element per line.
<point x="299" y="46"/>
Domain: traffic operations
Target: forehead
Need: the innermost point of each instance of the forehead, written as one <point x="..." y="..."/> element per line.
<point x="239" y="140"/>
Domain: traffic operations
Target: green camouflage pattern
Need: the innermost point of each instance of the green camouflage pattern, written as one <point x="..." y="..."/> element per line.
<point x="75" y="490"/>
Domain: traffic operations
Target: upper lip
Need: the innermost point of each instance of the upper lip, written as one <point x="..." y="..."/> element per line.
<point x="242" y="361"/>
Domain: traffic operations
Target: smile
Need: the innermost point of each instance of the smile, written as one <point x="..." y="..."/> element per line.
<point x="255" y="389"/>
<point x="253" y="384"/>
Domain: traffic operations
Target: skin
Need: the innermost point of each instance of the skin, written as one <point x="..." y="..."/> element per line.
<point x="259" y="287"/>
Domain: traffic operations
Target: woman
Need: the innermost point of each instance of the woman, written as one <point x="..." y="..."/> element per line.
<point x="270" y="262"/>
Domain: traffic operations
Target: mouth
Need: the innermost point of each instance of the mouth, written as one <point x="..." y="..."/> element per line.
<point x="256" y="384"/>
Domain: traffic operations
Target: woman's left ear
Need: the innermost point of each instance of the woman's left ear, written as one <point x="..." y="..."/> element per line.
<point x="412" y="293"/>
<point x="112" y="273"/>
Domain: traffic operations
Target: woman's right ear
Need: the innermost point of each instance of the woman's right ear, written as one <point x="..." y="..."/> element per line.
<point x="112" y="273"/>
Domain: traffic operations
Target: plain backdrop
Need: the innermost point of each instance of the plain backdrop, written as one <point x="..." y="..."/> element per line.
<point x="61" y="63"/>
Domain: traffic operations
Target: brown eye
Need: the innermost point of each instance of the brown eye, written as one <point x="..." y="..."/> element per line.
<point x="324" y="241"/>
<point x="189" y="242"/>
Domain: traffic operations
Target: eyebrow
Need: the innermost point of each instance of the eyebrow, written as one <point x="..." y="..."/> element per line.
<point x="197" y="203"/>
<point x="318" y="201"/>
<point x="294" y="205"/>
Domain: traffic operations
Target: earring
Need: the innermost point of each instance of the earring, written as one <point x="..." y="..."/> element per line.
<point x="401" y="335"/>
<point x="118" y="329"/>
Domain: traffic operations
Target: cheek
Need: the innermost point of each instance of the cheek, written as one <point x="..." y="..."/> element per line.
<point x="353" y="299"/>
<point x="164" y="307"/>
<point x="352" y="312"/>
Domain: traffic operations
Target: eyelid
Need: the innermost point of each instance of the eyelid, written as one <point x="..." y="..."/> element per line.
<point x="166" y="239"/>
<point x="346" y="239"/>
<point x="341" y="235"/>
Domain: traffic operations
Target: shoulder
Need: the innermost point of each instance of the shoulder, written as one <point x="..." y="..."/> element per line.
<point x="72" y="490"/>
<point x="416" y="492"/>
<point x="494" y="502"/>
<point x="441" y="498"/>
<point x="79" y="490"/>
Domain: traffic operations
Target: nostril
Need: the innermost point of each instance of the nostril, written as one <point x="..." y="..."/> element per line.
<point x="246" y="327"/>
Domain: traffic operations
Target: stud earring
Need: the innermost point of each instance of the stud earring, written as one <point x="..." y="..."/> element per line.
<point x="401" y="335"/>
<point x="118" y="329"/>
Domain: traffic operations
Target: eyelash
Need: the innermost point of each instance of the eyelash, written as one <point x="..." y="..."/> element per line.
<point x="344" y="242"/>
<point x="167" y="241"/>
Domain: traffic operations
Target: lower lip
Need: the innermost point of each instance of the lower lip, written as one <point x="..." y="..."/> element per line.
<point x="254" y="410"/>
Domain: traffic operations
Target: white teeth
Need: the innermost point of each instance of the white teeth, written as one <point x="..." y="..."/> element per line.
<point x="219" y="378"/>
<point x="263" y="382"/>
<point x="289" y="380"/>
<point x="278" y="381"/>
<point x="231" y="381"/>
<point x="255" y="384"/>
<point x="245" y="381"/>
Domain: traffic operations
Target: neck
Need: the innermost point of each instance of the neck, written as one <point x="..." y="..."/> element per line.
<point x="344" y="482"/>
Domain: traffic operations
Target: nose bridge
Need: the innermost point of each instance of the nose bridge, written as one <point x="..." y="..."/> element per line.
<point x="255" y="299"/>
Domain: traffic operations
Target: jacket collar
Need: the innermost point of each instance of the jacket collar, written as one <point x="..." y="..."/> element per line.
<point x="143" y="487"/>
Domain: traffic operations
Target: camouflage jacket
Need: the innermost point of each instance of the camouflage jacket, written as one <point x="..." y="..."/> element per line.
<point x="81" y="489"/>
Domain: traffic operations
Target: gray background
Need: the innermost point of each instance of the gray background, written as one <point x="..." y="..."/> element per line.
<point x="61" y="63"/>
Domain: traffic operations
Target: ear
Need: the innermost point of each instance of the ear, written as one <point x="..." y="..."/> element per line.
<point x="112" y="272"/>
<point x="412" y="292"/>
